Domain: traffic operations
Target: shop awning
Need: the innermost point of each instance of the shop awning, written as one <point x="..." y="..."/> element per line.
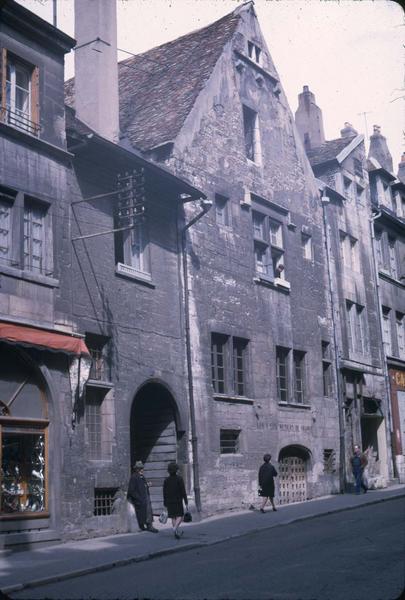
<point x="40" y="338"/>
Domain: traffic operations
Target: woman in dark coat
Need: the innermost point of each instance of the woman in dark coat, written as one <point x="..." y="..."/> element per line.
<point x="267" y="473"/>
<point x="174" y="493"/>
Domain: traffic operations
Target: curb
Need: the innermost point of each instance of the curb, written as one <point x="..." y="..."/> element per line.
<point x="183" y="548"/>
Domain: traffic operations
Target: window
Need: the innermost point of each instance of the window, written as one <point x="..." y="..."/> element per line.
<point x="360" y="193"/>
<point x="6" y="206"/>
<point x="19" y="106"/>
<point x="268" y="246"/>
<point x="93" y="424"/>
<point x="358" y="167"/>
<point x="98" y="348"/>
<point x="222" y="210"/>
<point x="34" y="236"/>
<point x="386" y="323"/>
<point x="347" y="188"/>
<point x="132" y="251"/>
<point x="254" y="52"/>
<point x="218" y="362"/>
<point x="26" y="245"/>
<point x="392" y="250"/>
<point x="103" y="501"/>
<point x="99" y="423"/>
<point x="329" y="461"/>
<point x="282" y="374"/>
<point x="387" y="195"/>
<point x="356" y="328"/>
<point x="239" y="366"/>
<point x="229" y="441"/>
<point x="229" y="364"/>
<point x="299" y="376"/>
<point x="23" y="438"/>
<point x="400" y="325"/>
<point x="252" y="135"/>
<point x="326" y="369"/>
<point x="306" y="244"/>
<point x="349" y="251"/>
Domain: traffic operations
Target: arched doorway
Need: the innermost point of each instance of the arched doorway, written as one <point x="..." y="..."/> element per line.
<point x="293" y="462"/>
<point x="154" y="436"/>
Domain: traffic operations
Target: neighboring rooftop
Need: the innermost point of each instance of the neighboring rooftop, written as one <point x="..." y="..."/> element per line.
<point x="328" y="151"/>
<point x="157" y="89"/>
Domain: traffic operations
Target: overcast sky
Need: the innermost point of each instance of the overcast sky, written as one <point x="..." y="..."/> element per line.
<point x="350" y="53"/>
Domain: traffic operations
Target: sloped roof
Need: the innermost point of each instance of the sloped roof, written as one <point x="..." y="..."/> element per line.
<point x="157" y="89"/>
<point x="329" y="150"/>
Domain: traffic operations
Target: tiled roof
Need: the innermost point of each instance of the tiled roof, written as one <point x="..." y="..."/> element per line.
<point x="328" y="150"/>
<point x="158" y="88"/>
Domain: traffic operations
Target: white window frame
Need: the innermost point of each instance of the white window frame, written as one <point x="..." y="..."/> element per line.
<point x="16" y="116"/>
<point x="386" y="330"/>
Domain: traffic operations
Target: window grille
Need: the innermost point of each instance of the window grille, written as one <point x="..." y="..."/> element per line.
<point x="229" y="441"/>
<point x="103" y="501"/>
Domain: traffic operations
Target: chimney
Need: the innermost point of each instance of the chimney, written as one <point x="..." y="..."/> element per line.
<point x="348" y="130"/>
<point x="379" y="149"/>
<point x="401" y="169"/>
<point x="308" y="119"/>
<point x="96" y="67"/>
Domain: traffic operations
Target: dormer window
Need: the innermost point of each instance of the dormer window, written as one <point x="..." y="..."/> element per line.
<point x="254" y="52"/>
<point x="19" y="103"/>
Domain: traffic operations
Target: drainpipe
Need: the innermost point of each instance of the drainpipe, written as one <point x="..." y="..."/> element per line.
<point x="342" y="454"/>
<point x="384" y="362"/>
<point x="206" y="205"/>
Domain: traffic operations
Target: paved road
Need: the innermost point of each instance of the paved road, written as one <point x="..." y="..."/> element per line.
<point x="354" y="555"/>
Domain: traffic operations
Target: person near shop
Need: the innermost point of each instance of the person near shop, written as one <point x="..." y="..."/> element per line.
<point x="174" y="494"/>
<point x="267" y="473"/>
<point x="138" y="495"/>
<point x="359" y="462"/>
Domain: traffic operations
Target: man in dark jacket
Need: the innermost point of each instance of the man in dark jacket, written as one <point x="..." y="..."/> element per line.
<point x="359" y="463"/>
<point x="267" y="473"/>
<point x="138" y="495"/>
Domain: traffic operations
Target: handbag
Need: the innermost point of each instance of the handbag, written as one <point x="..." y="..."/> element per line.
<point x="163" y="517"/>
<point x="187" y="517"/>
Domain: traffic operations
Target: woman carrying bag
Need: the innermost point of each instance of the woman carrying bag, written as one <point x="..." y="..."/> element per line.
<point x="174" y="493"/>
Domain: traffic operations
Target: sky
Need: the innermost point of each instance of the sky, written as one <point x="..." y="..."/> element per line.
<point x="349" y="52"/>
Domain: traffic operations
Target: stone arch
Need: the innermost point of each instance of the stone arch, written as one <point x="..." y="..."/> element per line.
<point x="157" y="434"/>
<point x="294" y="462"/>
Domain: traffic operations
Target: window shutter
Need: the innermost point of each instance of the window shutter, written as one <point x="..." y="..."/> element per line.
<point x="3" y="73"/>
<point x="35" y="99"/>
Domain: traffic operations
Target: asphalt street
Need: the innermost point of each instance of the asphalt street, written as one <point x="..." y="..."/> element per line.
<point x="353" y="555"/>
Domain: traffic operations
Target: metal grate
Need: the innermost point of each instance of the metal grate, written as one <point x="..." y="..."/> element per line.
<point x="103" y="501"/>
<point x="229" y="441"/>
<point x="292" y="479"/>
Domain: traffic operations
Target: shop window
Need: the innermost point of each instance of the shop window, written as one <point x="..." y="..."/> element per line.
<point x="23" y="434"/>
<point x="20" y="102"/>
<point x="229" y="441"/>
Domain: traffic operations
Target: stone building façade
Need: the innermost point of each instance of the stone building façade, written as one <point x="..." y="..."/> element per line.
<point x="212" y="332"/>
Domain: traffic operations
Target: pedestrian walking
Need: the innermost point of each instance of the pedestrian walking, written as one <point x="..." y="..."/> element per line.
<point x="359" y="462"/>
<point x="138" y="495"/>
<point x="174" y="493"/>
<point x="267" y="473"/>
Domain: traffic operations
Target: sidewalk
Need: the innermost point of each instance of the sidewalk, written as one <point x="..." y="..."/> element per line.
<point x="36" y="567"/>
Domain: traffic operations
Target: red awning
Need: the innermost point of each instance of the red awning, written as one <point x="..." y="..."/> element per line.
<point x="29" y="336"/>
